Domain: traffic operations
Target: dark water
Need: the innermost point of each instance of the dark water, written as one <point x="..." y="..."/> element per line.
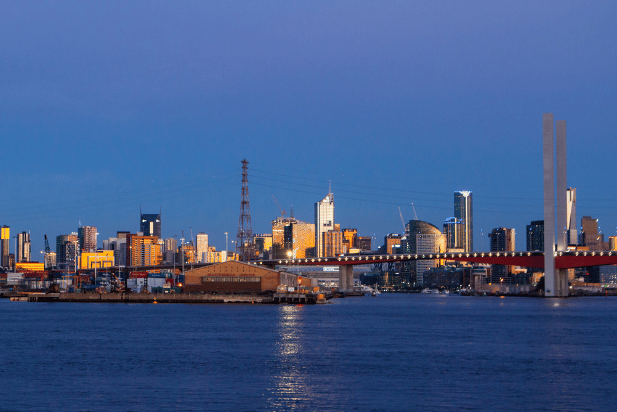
<point x="388" y="353"/>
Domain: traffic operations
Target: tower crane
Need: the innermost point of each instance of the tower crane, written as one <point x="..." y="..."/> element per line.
<point x="277" y="205"/>
<point x="402" y="220"/>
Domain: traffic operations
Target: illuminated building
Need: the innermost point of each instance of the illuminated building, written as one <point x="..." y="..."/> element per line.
<point x="24" y="248"/>
<point x="5" y="242"/>
<point x="333" y="243"/>
<point x="263" y="244"/>
<point x="453" y="229"/>
<point x="201" y="246"/>
<point x="99" y="259"/>
<point x="463" y="211"/>
<point x="143" y="250"/>
<point x="29" y="267"/>
<point x="350" y="237"/>
<point x="589" y="234"/>
<point x="50" y="260"/>
<point x="187" y="252"/>
<point x="150" y="225"/>
<point x="502" y="240"/>
<point x="67" y="248"/>
<point x="535" y="235"/>
<point x="422" y="238"/>
<point x="324" y="221"/>
<point x="170" y="249"/>
<point x="87" y="238"/>
<point x="278" y="236"/>
<point x="299" y="240"/>
<point x="391" y="241"/>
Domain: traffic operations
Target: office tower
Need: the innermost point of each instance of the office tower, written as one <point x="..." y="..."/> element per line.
<point x="535" y="235"/>
<point x="278" y="236"/>
<point x="589" y="234"/>
<point x="87" y="238"/>
<point x="201" y="247"/>
<point x="170" y="249"/>
<point x="612" y="243"/>
<point x="143" y="250"/>
<point x="365" y="243"/>
<point x="5" y="242"/>
<point x="150" y="225"/>
<point x="422" y="238"/>
<point x="391" y="241"/>
<point x="350" y="237"/>
<point x="263" y="244"/>
<point x="333" y="242"/>
<point x="571" y="229"/>
<point x="24" y="248"/>
<point x="299" y="240"/>
<point x="453" y="229"/>
<point x="324" y="221"/>
<point x="67" y="247"/>
<point x="463" y="211"/>
<point x="502" y="240"/>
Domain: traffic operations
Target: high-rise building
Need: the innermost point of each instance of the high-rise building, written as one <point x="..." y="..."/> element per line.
<point x="67" y="248"/>
<point x="571" y="229"/>
<point x="278" y="236"/>
<point x="333" y="242"/>
<point x="263" y="244"/>
<point x="463" y="211"/>
<point x="535" y="235"/>
<point x="299" y="240"/>
<point x="502" y="240"/>
<point x="87" y="238"/>
<point x="589" y="234"/>
<point x="391" y="241"/>
<point x="5" y="242"/>
<point x="422" y="238"/>
<point x="324" y="221"/>
<point x="453" y="229"/>
<point x="350" y="237"/>
<point x="24" y="248"/>
<point x="201" y="247"/>
<point x="365" y="243"/>
<point x="150" y="225"/>
<point x="143" y="250"/>
<point x="170" y="249"/>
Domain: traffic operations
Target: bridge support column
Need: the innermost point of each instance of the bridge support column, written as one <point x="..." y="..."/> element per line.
<point x="555" y="280"/>
<point x="345" y="278"/>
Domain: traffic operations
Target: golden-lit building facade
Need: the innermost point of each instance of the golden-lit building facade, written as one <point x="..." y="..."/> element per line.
<point x="100" y="259"/>
<point x="5" y="240"/>
<point x="29" y="267"/>
<point x="187" y="252"/>
<point x="299" y="240"/>
<point x="350" y="237"/>
<point x="143" y="250"/>
<point x="333" y="243"/>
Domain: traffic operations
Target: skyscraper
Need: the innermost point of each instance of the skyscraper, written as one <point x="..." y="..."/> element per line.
<point x="324" y="221"/>
<point x="201" y="247"/>
<point x="535" y="235"/>
<point x="502" y="240"/>
<point x="5" y="240"/>
<point x="590" y="236"/>
<point x="24" y="248"/>
<point x="463" y="211"/>
<point x="87" y="238"/>
<point x="453" y="230"/>
<point x="150" y="225"/>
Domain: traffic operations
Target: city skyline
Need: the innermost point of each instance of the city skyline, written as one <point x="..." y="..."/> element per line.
<point x="393" y="103"/>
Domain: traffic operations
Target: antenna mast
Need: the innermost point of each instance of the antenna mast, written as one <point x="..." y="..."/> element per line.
<point x="244" y="245"/>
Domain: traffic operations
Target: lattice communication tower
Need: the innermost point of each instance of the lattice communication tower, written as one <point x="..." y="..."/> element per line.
<point x="244" y="245"/>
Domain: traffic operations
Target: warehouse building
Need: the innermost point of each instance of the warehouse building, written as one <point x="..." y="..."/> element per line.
<point x="235" y="277"/>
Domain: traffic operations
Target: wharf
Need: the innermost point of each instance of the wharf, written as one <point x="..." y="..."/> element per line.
<point x="146" y="298"/>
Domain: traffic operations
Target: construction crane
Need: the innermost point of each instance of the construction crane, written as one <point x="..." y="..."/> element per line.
<point x="402" y="220"/>
<point x="47" y="249"/>
<point x="277" y="205"/>
<point x="414" y="211"/>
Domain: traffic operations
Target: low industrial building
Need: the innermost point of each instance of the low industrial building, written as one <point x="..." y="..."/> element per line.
<point x="235" y="277"/>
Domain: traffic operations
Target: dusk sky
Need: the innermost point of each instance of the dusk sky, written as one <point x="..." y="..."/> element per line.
<point x="109" y="106"/>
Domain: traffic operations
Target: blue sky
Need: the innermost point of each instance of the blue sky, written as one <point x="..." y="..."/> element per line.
<point x="109" y="106"/>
